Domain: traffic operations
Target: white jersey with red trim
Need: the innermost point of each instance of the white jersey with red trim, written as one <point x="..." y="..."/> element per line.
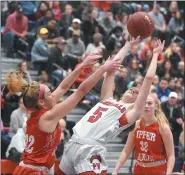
<point x="104" y="121"/>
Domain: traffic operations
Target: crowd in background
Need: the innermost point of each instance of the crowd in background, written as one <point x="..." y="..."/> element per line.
<point x="54" y="37"/>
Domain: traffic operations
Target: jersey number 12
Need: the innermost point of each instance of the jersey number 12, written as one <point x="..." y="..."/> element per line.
<point x="97" y="114"/>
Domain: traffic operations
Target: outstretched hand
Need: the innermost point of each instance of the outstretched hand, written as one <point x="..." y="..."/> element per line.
<point x="112" y="64"/>
<point x="90" y="60"/>
<point x="133" y="41"/>
<point x="159" y="47"/>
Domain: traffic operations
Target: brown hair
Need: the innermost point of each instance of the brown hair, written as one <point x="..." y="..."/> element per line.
<point x="20" y="64"/>
<point x="16" y="83"/>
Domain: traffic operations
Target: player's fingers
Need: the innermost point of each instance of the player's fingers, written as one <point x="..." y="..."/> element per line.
<point x="95" y="57"/>
<point x="138" y="38"/>
<point x="163" y="43"/>
<point x="160" y="41"/>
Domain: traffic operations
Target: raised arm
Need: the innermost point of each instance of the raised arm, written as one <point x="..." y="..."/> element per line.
<point x="108" y="83"/>
<point x="69" y="80"/>
<point x="49" y="120"/>
<point x="124" y="51"/>
<point x="129" y="146"/>
<point x="135" y="113"/>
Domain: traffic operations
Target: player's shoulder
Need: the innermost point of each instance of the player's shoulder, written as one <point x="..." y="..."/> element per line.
<point x="165" y="128"/>
<point x="138" y="122"/>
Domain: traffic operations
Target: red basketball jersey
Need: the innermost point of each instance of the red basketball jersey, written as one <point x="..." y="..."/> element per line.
<point x="40" y="146"/>
<point x="149" y="144"/>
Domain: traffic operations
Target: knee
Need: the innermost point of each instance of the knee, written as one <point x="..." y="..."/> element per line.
<point x="9" y="36"/>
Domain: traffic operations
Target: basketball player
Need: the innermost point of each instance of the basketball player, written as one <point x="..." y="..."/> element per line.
<point x="85" y="152"/>
<point x="43" y="131"/>
<point x="153" y="142"/>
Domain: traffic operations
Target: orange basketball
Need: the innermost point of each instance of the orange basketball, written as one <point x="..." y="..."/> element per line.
<point x="140" y="23"/>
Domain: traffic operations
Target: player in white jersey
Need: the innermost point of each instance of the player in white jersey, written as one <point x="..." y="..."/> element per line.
<point x="85" y="153"/>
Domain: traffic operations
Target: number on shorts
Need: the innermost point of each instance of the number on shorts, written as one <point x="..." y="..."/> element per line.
<point x="29" y="142"/>
<point x="96" y="115"/>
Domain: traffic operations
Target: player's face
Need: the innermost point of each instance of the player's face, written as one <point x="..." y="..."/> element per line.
<point x="150" y="107"/>
<point x="130" y="95"/>
<point x="49" y="98"/>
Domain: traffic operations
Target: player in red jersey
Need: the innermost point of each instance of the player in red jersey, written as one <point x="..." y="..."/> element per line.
<point x="153" y="142"/>
<point x="43" y="131"/>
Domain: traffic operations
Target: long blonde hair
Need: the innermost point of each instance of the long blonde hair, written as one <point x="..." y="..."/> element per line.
<point x="159" y="114"/>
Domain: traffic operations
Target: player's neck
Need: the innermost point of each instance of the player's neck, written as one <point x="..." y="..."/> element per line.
<point x="149" y="121"/>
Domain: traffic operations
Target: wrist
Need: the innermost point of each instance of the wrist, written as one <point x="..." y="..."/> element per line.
<point x="127" y="45"/>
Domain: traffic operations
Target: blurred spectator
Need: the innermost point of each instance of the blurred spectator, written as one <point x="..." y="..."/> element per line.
<point x="102" y="5"/>
<point x="23" y="68"/>
<point x="165" y="70"/>
<point x="172" y="55"/>
<point x="41" y="10"/>
<point x="121" y="82"/>
<point x="91" y="26"/>
<point x="133" y="70"/>
<point x="83" y="75"/>
<point x="47" y="17"/>
<point x="171" y="85"/>
<point x="16" y="27"/>
<point x="66" y="19"/>
<point x="162" y="90"/>
<point x="108" y="22"/>
<point x="123" y="23"/>
<point x="179" y="86"/>
<point x="157" y="16"/>
<point x="4" y="12"/>
<point x="11" y="102"/>
<point x="116" y="8"/>
<point x="29" y="9"/>
<point x="17" y="144"/>
<point x="53" y="31"/>
<point x="57" y="56"/>
<point x="180" y="70"/>
<point x="145" y="62"/>
<point x="174" y="115"/>
<point x="115" y="40"/>
<point x="18" y="117"/>
<point x="55" y="6"/>
<point x="132" y="55"/>
<point x="74" y="49"/>
<point x="65" y="136"/>
<point x="97" y="46"/>
<point x="44" y="79"/>
<point x="87" y="12"/>
<point x="151" y="42"/>
<point x="40" y="51"/>
<point x="75" y="26"/>
<point x="155" y="84"/>
<point x="137" y="82"/>
<point x="176" y="25"/>
<point x="173" y="8"/>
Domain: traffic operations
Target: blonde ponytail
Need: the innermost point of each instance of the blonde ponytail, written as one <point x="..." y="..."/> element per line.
<point x="160" y="116"/>
<point x="16" y="83"/>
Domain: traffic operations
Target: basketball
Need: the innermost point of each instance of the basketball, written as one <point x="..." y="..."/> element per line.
<point x="140" y="23"/>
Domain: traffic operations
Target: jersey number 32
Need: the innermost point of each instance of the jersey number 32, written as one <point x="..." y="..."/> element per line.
<point x="97" y="114"/>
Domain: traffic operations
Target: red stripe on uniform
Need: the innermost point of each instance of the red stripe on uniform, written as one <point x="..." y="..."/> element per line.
<point x="123" y="120"/>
